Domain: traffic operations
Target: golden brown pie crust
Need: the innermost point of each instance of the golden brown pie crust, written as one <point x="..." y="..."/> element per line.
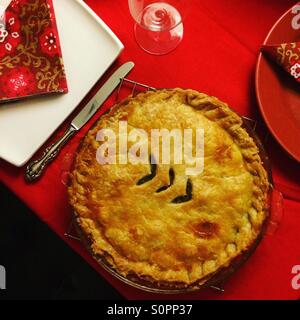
<point x="140" y="231"/>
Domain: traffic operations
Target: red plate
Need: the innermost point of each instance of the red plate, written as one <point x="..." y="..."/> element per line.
<point x="277" y="92"/>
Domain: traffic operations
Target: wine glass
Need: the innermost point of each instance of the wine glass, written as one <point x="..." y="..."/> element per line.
<point x="158" y="28"/>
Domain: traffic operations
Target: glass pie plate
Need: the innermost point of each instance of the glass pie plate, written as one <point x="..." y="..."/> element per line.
<point x="212" y="280"/>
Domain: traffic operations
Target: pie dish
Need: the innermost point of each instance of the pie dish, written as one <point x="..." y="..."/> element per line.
<point x="153" y="224"/>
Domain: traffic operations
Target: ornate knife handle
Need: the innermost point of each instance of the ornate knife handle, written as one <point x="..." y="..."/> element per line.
<point x="35" y="168"/>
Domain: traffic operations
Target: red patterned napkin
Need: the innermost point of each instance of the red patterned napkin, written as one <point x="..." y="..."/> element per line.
<point x="287" y="55"/>
<point x="30" y="55"/>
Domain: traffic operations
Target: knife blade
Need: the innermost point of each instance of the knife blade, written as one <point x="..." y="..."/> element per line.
<point x="35" y="168"/>
<point x="92" y="106"/>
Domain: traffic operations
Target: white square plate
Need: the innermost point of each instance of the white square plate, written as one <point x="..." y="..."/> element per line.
<point x="89" y="47"/>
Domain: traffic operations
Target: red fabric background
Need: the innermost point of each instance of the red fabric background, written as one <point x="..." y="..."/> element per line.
<point x="217" y="56"/>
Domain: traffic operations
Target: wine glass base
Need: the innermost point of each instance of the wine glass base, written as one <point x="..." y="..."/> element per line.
<point x="158" y="42"/>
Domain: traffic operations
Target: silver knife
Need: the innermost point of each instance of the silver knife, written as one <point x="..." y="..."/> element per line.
<point x="35" y="168"/>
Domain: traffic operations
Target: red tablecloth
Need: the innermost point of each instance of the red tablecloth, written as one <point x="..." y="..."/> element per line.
<point x="217" y="56"/>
